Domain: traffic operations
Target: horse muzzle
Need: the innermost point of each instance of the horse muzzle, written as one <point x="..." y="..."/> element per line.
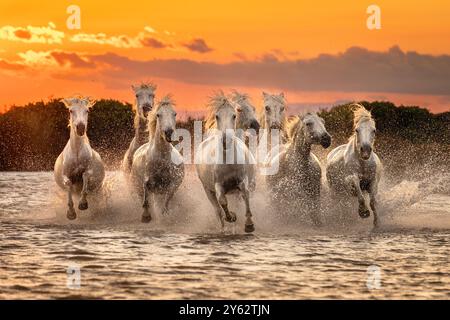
<point x="254" y="125"/>
<point x="365" y="152"/>
<point x="325" y="141"/>
<point x="168" y="135"/>
<point x="146" y="109"/>
<point x="81" y="129"/>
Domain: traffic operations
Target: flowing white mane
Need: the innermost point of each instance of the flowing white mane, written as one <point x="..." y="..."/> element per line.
<point x="217" y="102"/>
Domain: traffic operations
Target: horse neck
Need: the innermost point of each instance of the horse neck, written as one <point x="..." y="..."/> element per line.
<point x="160" y="144"/>
<point x="140" y="129"/>
<point x="300" y="146"/>
<point x="76" y="142"/>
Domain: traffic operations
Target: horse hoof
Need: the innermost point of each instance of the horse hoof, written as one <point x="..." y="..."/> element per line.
<point x="71" y="214"/>
<point x="83" y="205"/>
<point x="230" y="217"/>
<point x="146" y="218"/>
<point x="249" y="228"/>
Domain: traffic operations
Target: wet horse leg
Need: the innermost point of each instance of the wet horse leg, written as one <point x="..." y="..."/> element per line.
<point x="222" y="199"/>
<point x="71" y="214"/>
<point x="83" y="204"/>
<point x="146" y="215"/>
<point x="373" y="203"/>
<point x="249" y="226"/>
<point x="213" y="199"/>
<point x="167" y="199"/>
<point x="353" y="184"/>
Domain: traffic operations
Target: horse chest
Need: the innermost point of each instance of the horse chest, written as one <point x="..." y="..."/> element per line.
<point x="161" y="176"/>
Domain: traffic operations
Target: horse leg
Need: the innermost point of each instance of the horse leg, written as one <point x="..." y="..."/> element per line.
<point x="222" y="199"/>
<point x="353" y="183"/>
<point x="83" y="204"/>
<point x="213" y="199"/>
<point x="146" y="215"/>
<point x="169" y="197"/>
<point x="71" y="214"/>
<point x="249" y="226"/>
<point x="373" y="204"/>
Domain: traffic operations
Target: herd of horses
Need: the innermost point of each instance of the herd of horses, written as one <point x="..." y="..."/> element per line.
<point x="155" y="168"/>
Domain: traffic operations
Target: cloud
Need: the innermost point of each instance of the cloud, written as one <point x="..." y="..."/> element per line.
<point x="12" y="66"/>
<point x="355" y="70"/>
<point x="153" y="43"/>
<point x="120" y="41"/>
<point x="198" y="45"/>
<point x="72" y="59"/>
<point x="30" y="34"/>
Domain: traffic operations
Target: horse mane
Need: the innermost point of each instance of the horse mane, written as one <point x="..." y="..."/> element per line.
<point x="166" y="101"/>
<point x="360" y="114"/>
<point x="216" y="102"/>
<point x="146" y="85"/>
<point x="293" y="123"/>
<point x="79" y="100"/>
<point x="240" y="97"/>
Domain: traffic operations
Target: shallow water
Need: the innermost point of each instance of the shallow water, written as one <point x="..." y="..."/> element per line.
<point x="184" y="255"/>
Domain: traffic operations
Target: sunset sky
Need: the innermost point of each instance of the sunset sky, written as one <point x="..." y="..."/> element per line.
<point x="319" y="52"/>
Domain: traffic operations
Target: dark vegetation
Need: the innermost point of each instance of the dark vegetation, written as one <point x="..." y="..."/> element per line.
<point x="409" y="139"/>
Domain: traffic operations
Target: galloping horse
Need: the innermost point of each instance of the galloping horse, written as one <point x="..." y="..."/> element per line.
<point x="158" y="167"/>
<point x="145" y="97"/>
<point x="298" y="180"/>
<point x="79" y="168"/>
<point x="223" y="162"/>
<point x="354" y="168"/>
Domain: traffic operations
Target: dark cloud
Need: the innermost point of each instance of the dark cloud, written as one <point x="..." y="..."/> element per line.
<point x="153" y="43"/>
<point x="355" y="70"/>
<point x="198" y="45"/>
<point x="23" y="34"/>
<point x="63" y="58"/>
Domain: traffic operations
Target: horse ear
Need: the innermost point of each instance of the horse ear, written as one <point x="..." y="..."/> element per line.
<point x="66" y="102"/>
<point x="282" y="94"/>
<point x="133" y="87"/>
<point x="91" y="103"/>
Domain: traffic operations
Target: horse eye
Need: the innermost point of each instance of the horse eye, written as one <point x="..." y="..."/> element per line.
<point x="234" y="116"/>
<point x="357" y="130"/>
<point x="175" y="114"/>
<point x="157" y="115"/>
<point x="282" y="109"/>
<point x="267" y="108"/>
<point x="137" y="96"/>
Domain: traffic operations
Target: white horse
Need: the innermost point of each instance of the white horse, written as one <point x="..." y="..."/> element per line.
<point x="223" y="162"/>
<point x="298" y="180"/>
<point x="145" y="97"/>
<point x="158" y="167"/>
<point x="354" y="168"/>
<point x="79" y="168"/>
<point x="273" y="117"/>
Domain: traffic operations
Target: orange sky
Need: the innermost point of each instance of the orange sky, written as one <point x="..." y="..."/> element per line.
<point x="219" y="33"/>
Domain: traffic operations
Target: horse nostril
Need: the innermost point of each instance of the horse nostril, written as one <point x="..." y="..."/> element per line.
<point x="326" y="141"/>
<point x="81" y="128"/>
<point x="168" y="133"/>
<point x="255" y="125"/>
